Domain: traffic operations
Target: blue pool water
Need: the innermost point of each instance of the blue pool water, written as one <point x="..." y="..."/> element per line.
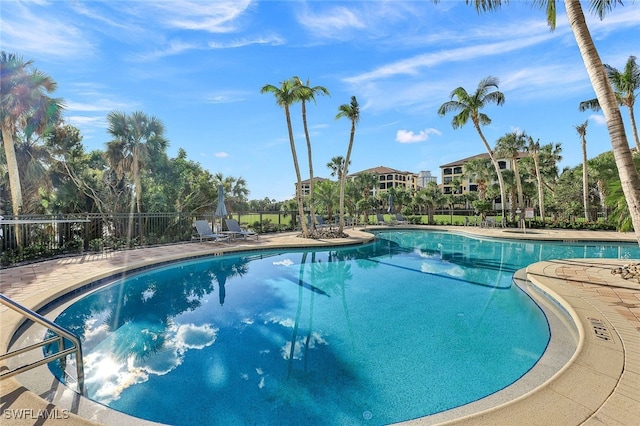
<point x="416" y="323"/>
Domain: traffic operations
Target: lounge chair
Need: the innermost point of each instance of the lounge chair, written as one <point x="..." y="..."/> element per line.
<point x="400" y="219"/>
<point x="381" y="220"/>
<point x="320" y="223"/>
<point x="205" y="233"/>
<point x="234" y="227"/>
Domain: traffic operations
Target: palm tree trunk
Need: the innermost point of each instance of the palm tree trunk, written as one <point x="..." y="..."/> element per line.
<point x="14" y="179"/>
<point x="303" y="223"/>
<point x="536" y="164"/>
<point x="312" y="208"/>
<point x="496" y="166"/>
<point x="629" y="177"/>
<point x="343" y="178"/>
<point x="585" y="180"/>
<point x="632" y="118"/>
<point x="516" y="172"/>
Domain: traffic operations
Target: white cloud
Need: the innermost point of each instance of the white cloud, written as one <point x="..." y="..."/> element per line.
<point x="409" y="136"/>
<point x="273" y="40"/>
<point x="214" y="17"/>
<point x="221" y="154"/>
<point x="598" y="119"/>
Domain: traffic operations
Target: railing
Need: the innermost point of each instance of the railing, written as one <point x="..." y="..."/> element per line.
<point x="38" y="237"/>
<point x="60" y="334"/>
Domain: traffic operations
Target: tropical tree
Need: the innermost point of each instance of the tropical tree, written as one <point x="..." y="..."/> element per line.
<point x="285" y="96"/>
<point x="327" y="195"/>
<point x="24" y="107"/>
<point x="478" y="171"/>
<point x="306" y="93"/>
<point x="533" y="148"/>
<point x="430" y="197"/>
<point x="352" y="112"/>
<point x="625" y="84"/>
<point x="629" y="176"/>
<point x="603" y="169"/>
<point x="510" y="146"/>
<point x="582" y="132"/>
<point x="336" y="165"/>
<point x="136" y="138"/>
<point x="367" y="183"/>
<point x="468" y="107"/>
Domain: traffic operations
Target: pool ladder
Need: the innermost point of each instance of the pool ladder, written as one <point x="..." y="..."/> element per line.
<point x="60" y="334"/>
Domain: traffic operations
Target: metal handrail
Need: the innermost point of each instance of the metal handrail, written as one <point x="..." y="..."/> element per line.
<point x="61" y="334"/>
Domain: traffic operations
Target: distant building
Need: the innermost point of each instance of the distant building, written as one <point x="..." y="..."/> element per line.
<point x="424" y="177"/>
<point x="306" y="185"/>
<point x="452" y="172"/>
<point x="390" y="178"/>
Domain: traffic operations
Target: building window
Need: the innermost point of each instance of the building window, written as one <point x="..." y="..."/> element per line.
<point x="457" y="170"/>
<point x="502" y="164"/>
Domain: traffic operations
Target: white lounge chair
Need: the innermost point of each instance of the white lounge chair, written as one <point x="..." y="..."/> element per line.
<point x="234" y="227"/>
<point x="205" y="233"/>
<point x="400" y="219"/>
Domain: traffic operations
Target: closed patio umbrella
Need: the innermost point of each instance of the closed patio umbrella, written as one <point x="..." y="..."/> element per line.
<point x="221" y="209"/>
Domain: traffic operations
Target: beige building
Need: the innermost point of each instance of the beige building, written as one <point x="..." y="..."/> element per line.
<point x="390" y="178"/>
<point x="452" y="172"/>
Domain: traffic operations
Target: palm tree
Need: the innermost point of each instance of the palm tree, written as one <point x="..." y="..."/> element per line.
<point x="285" y="96"/>
<point x="24" y="108"/>
<point x="326" y="195"/>
<point x="479" y="172"/>
<point x="367" y="182"/>
<point x="582" y="132"/>
<point x="625" y="84"/>
<point x="137" y="137"/>
<point x="336" y="165"/>
<point x="603" y="169"/>
<point x="430" y="197"/>
<point x="352" y="112"/>
<point x="629" y="176"/>
<point x="469" y="106"/>
<point x="510" y="146"/>
<point x="306" y="93"/>
<point x="533" y="148"/>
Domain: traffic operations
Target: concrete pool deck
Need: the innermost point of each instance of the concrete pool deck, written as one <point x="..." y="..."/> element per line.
<point x="600" y="385"/>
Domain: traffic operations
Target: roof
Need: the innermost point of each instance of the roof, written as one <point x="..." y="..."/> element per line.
<point x="483" y="155"/>
<point x="382" y="170"/>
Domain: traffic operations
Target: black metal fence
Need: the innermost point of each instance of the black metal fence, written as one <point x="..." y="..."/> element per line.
<point x="37" y="237"/>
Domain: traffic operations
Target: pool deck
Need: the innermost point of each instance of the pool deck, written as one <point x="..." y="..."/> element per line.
<point x="599" y="386"/>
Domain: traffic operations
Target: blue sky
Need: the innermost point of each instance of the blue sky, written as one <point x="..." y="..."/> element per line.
<point x="199" y="66"/>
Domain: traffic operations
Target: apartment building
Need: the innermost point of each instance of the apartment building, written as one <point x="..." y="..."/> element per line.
<point x="390" y="178"/>
<point x="453" y="173"/>
<point x="387" y="178"/>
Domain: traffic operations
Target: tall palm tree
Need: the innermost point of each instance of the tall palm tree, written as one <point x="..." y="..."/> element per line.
<point x="24" y="107"/>
<point x="629" y="176"/>
<point x="533" y="148"/>
<point x="510" y="146"/>
<point x="304" y="94"/>
<point x="352" y="112"/>
<point x="137" y="137"/>
<point x="468" y="107"/>
<point x="285" y="96"/>
<point x="625" y="84"/>
<point x="582" y="132"/>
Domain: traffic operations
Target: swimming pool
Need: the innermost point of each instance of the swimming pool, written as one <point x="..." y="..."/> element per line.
<point x="414" y="324"/>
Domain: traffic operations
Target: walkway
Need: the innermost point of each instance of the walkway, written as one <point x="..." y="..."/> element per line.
<point x="601" y="385"/>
